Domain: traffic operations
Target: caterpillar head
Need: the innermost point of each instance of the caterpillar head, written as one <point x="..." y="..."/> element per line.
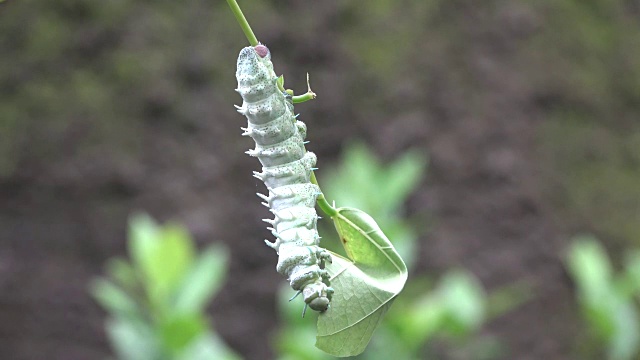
<point x="262" y="51"/>
<point x="256" y="78"/>
<point x="249" y="63"/>
<point x="255" y="59"/>
<point x="318" y="296"/>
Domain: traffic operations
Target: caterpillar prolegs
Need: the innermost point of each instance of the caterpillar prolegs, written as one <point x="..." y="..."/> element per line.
<point x="286" y="171"/>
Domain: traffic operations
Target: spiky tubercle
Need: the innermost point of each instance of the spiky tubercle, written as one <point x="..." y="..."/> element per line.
<point x="286" y="171"/>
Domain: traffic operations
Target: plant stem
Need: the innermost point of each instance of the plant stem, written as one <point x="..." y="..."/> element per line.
<point x="244" y="24"/>
<point x="297" y="99"/>
<point x="322" y="201"/>
<point x="310" y="95"/>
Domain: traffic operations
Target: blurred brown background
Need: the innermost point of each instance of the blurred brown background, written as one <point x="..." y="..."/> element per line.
<point x="528" y="111"/>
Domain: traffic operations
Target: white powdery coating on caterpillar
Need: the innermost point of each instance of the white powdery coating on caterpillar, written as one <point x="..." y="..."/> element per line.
<point x="286" y="171"/>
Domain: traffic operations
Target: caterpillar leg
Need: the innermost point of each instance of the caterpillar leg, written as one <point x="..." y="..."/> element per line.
<point x="306" y="275"/>
<point x="323" y="256"/>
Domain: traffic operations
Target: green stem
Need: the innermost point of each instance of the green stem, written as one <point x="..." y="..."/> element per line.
<point x="310" y="95"/>
<point x="304" y="97"/>
<point x="322" y="201"/>
<point x="244" y="24"/>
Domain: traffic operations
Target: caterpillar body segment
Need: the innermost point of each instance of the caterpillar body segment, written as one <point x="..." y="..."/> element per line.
<point x="272" y="132"/>
<point x="282" y="152"/>
<point x="286" y="171"/>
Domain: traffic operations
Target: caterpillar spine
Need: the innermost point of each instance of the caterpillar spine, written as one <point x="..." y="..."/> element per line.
<point x="286" y="172"/>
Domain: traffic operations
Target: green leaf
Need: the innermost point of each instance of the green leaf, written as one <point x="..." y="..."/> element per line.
<point x="404" y="239"/>
<point x="361" y="174"/>
<point x="207" y="347"/>
<point x="122" y="272"/>
<point x="629" y="281"/>
<point x="203" y="280"/>
<point x="419" y="320"/>
<point x="143" y="236"/>
<point x="280" y="82"/>
<point x="162" y="256"/>
<point x="589" y="264"/>
<point x="464" y="299"/>
<point x="113" y="298"/>
<point x="179" y="331"/>
<point x="365" y="284"/>
<point x="355" y="179"/>
<point x="626" y="337"/>
<point x="172" y="258"/>
<point x="133" y="340"/>
<point x="606" y="299"/>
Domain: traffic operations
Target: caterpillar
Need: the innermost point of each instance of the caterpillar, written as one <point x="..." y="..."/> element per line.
<point x="286" y="172"/>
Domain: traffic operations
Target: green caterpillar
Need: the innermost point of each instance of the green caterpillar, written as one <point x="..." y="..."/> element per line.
<point x="286" y="171"/>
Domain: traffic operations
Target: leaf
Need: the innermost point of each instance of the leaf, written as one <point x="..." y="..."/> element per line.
<point x="365" y="284"/>
<point x="122" y="272"/>
<point x="206" y="347"/>
<point x="172" y="259"/>
<point x="143" y="233"/>
<point x="605" y="298"/>
<point x="361" y="174"/>
<point x="203" y="280"/>
<point x="113" y="298"/>
<point x="625" y="339"/>
<point x="133" y="340"/>
<point x="179" y="331"/>
<point x="352" y="181"/>
<point x="161" y="254"/>
<point x="280" y="82"/>
<point x="418" y="320"/>
<point x="589" y="264"/>
<point x="465" y="301"/>
<point x="629" y="281"/>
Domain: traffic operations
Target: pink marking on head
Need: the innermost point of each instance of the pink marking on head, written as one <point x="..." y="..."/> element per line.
<point x="261" y="50"/>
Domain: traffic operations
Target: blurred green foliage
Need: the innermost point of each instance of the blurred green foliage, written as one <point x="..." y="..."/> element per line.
<point x="607" y="298"/>
<point x="453" y="309"/>
<point x="156" y="302"/>
<point x="361" y="181"/>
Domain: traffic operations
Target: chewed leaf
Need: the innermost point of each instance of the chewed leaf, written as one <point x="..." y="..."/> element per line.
<point x="365" y="284"/>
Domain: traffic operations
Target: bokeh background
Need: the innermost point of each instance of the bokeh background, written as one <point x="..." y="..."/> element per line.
<point x="527" y="110"/>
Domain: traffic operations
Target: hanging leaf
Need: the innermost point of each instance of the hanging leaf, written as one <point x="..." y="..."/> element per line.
<point x="365" y="284"/>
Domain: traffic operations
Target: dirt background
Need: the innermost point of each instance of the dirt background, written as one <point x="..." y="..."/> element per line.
<point x="526" y="109"/>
